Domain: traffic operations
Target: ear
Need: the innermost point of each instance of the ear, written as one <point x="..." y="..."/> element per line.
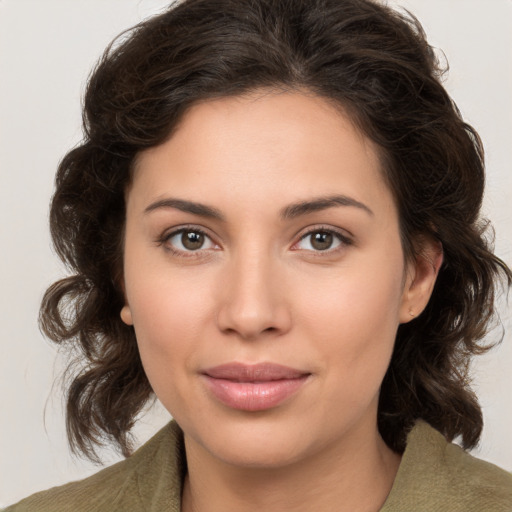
<point x="420" y="279"/>
<point x="126" y="315"/>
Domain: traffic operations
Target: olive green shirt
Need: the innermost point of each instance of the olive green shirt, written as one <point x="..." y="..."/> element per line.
<point x="434" y="476"/>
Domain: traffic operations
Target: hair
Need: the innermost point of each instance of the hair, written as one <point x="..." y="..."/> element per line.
<point x="370" y="60"/>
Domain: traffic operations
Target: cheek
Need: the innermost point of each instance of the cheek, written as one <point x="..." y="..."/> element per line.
<point x="354" y="316"/>
<point x="169" y="313"/>
<point x="168" y="325"/>
<point x="169" y="309"/>
<point x="363" y="294"/>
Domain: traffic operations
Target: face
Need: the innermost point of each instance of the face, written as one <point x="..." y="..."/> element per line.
<point x="264" y="277"/>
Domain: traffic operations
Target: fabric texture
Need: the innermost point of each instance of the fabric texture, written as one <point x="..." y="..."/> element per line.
<point x="434" y="476"/>
<point x="437" y="476"/>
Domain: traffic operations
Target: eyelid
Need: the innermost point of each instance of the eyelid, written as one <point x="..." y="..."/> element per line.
<point x="176" y="230"/>
<point x="345" y="238"/>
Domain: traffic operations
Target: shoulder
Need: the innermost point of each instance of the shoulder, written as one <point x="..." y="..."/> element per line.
<point x="88" y="494"/>
<point x="127" y="485"/>
<point x="438" y="475"/>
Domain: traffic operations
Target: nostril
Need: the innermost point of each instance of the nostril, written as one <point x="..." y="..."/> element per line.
<point x="252" y="313"/>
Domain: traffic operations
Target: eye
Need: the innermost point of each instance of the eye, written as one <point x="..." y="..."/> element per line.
<point x="322" y="240"/>
<point x="188" y="240"/>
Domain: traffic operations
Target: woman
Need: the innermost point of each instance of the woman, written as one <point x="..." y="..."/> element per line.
<point x="273" y="222"/>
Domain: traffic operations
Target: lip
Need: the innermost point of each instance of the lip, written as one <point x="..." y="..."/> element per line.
<point x="253" y="387"/>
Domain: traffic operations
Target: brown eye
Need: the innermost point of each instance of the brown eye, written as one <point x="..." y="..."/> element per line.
<point x="192" y="240"/>
<point x="185" y="241"/>
<point x="321" y="240"/>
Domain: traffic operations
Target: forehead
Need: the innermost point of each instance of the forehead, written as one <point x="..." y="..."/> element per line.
<point x="267" y="145"/>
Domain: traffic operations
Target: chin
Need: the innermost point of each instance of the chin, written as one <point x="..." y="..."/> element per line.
<point x="267" y="454"/>
<point x="255" y="441"/>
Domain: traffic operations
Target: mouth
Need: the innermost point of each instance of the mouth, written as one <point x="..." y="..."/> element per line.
<point x="254" y="387"/>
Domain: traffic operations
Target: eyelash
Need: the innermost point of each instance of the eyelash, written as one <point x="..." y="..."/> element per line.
<point x="164" y="239"/>
<point x="344" y="240"/>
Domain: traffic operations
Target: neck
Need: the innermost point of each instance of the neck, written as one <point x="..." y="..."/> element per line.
<point x="356" y="476"/>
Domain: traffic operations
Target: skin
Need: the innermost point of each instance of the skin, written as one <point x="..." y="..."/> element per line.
<point x="258" y="290"/>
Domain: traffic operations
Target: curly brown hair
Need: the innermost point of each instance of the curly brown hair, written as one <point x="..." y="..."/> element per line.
<point x="376" y="64"/>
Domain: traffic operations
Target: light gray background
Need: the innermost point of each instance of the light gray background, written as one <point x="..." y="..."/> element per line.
<point x="47" y="48"/>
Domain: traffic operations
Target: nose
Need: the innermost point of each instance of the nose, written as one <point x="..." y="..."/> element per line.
<point x="253" y="300"/>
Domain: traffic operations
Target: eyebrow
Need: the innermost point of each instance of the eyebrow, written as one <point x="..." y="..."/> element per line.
<point x="289" y="212"/>
<point x="322" y="203"/>
<point x="186" y="206"/>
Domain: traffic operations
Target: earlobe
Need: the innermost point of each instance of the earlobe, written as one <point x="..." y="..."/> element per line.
<point x="126" y="315"/>
<point x="421" y="278"/>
